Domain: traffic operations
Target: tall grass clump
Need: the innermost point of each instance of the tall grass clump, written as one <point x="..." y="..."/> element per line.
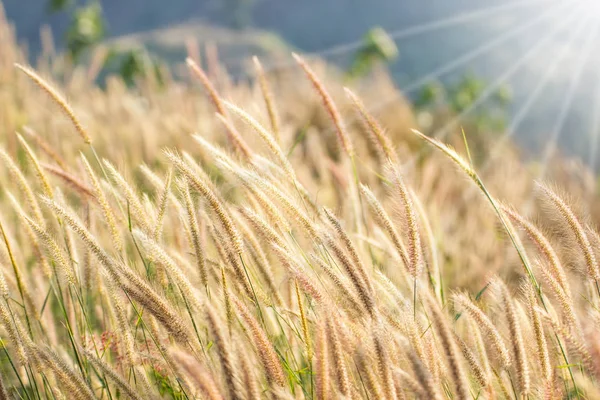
<point x="268" y="240"/>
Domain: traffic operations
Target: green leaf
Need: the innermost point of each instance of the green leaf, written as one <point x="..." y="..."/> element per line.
<point x="58" y="5"/>
<point x="482" y="291"/>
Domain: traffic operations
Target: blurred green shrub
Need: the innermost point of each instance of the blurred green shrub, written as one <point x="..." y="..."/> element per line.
<point x="378" y="47"/>
<point x="87" y="29"/>
<point x="463" y="98"/>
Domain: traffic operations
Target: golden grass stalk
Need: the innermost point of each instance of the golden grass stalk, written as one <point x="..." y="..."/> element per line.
<point x="24" y="187"/>
<point x="267" y="94"/>
<point x="384" y="220"/>
<point x="4" y="291"/>
<point x="368" y="377"/>
<point x="159" y="184"/>
<point x="73" y="382"/>
<point x="563" y="297"/>
<point x="262" y="227"/>
<point x="288" y="205"/>
<point x="516" y="339"/>
<point x="174" y="271"/>
<point x="329" y="104"/>
<point x="133" y="201"/>
<point x="405" y="382"/>
<point x="414" y="251"/>
<point x="45" y="147"/>
<point x="107" y="211"/>
<point x="214" y="150"/>
<point x="128" y="280"/>
<point x="575" y="344"/>
<point x="344" y="293"/>
<point x="250" y="384"/>
<point x="162" y="205"/>
<point x="265" y="202"/>
<point x="426" y="381"/>
<point x="237" y="141"/>
<point x="3" y="391"/>
<point x="503" y="385"/>
<point x="296" y="272"/>
<point x="336" y="350"/>
<point x="543" y="245"/>
<point x="384" y="363"/>
<point x="208" y="86"/>
<point x="33" y="236"/>
<point x="267" y="137"/>
<point x="195" y="232"/>
<point x="15" y="333"/>
<point x="433" y="265"/>
<point x="446" y="336"/>
<point x="28" y="304"/>
<point x="226" y="299"/>
<point x="478" y="372"/>
<point x="226" y="358"/>
<point x="39" y="171"/>
<point x="214" y="202"/>
<point x="124" y="328"/>
<point x="581" y="237"/>
<point x="468" y="169"/>
<point x="349" y="246"/>
<point x="71" y="180"/>
<point x="360" y="286"/>
<point x="260" y="260"/>
<point x="113" y="375"/>
<point x="58" y="98"/>
<point x="490" y="330"/>
<point x="202" y="378"/>
<point x="321" y="363"/>
<point x="304" y="322"/>
<point x="227" y="255"/>
<point x="381" y="141"/>
<point x="538" y="331"/>
<point x="413" y="331"/>
<point x="450" y="152"/>
<point x="54" y="251"/>
<point x="264" y="347"/>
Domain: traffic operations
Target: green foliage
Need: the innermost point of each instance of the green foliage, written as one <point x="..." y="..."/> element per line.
<point x="87" y="29"/>
<point x="378" y="47"/>
<point x="463" y="97"/>
<point x="59" y="5"/>
<point x="166" y="386"/>
<point x="133" y="64"/>
<point x="432" y="93"/>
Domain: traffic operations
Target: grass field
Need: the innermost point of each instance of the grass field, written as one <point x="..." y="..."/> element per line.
<point x="212" y="240"/>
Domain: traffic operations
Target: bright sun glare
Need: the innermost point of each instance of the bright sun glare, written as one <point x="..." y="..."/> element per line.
<point x="593" y="7"/>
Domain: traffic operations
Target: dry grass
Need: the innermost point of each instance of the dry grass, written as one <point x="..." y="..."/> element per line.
<point x="276" y="253"/>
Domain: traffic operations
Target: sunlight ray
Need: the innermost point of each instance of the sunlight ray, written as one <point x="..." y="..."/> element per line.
<point x="595" y="129"/>
<point x="497" y="83"/>
<point x="523" y="111"/>
<point x="568" y="100"/>
<point x="497" y="148"/>
<point x="550" y="12"/>
<point x="404" y="33"/>
<point x="431" y="26"/>
<point x="472" y="54"/>
<point x="442" y="132"/>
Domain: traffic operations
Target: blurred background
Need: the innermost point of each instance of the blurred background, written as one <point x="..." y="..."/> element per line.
<point x="523" y="69"/>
